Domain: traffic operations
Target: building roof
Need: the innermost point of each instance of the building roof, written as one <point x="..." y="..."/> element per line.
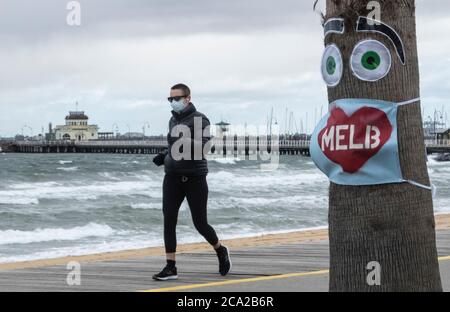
<point x="77" y="116"/>
<point x="441" y="131"/>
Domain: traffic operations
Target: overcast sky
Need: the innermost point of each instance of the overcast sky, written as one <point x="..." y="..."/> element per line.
<point x="240" y="57"/>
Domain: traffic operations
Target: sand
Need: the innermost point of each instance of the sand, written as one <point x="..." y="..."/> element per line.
<point x="442" y="222"/>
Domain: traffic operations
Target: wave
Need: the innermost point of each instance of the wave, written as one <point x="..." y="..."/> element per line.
<point x="227" y="160"/>
<point x="258" y="179"/>
<point x="299" y="199"/>
<point x="147" y="206"/>
<point x="54" y="234"/>
<point x="67" y="168"/>
<point x="27" y="185"/>
<point x="222" y="175"/>
<point x="13" y="200"/>
<point x="432" y="162"/>
<point x="442" y="205"/>
<point x="63" y="162"/>
<point x="109" y="175"/>
<point x="30" y="193"/>
<point x="117" y="244"/>
<point x="129" y="162"/>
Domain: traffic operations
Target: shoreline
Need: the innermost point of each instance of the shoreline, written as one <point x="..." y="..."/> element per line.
<point x="289" y="237"/>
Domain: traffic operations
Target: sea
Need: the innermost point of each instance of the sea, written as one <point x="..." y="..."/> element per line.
<point x="54" y="205"/>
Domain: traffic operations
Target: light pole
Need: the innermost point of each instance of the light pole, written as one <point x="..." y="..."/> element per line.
<point x="429" y="126"/>
<point x="146" y="125"/>
<point x="115" y="129"/>
<point x="129" y="131"/>
<point x="436" y="121"/>
<point x="29" y="128"/>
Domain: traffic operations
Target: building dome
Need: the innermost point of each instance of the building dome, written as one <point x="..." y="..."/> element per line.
<point x="77" y="116"/>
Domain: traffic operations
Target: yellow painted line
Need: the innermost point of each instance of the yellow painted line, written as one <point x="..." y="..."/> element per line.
<point x="238" y="281"/>
<point x="250" y="280"/>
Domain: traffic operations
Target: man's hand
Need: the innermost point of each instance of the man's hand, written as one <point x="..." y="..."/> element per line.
<point x="159" y="159"/>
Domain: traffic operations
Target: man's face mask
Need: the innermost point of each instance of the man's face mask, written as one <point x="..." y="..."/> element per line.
<point x="356" y="143"/>
<point x="177" y="106"/>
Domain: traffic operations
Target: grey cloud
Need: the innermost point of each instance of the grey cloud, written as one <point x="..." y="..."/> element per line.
<point x="242" y="58"/>
<point x="42" y="19"/>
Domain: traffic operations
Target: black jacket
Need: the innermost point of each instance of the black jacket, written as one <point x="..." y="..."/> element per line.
<point x="192" y="166"/>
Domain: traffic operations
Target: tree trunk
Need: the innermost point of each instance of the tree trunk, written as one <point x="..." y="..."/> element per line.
<point x="391" y="224"/>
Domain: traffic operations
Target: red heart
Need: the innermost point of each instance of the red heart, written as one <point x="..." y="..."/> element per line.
<point x="361" y="136"/>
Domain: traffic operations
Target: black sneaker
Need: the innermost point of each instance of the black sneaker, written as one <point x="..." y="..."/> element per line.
<point x="167" y="273"/>
<point x="224" y="260"/>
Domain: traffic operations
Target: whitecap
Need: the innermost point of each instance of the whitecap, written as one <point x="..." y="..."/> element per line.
<point x="311" y="200"/>
<point x="14" y="200"/>
<point x="63" y="162"/>
<point x="67" y="168"/>
<point x="54" y="234"/>
<point x="227" y="160"/>
<point x="90" y="190"/>
<point x="146" y="206"/>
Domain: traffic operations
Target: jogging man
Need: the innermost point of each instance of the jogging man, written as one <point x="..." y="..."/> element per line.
<point x="185" y="177"/>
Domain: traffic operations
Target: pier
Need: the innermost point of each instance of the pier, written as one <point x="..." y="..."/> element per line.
<point x="116" y="147"/>
<point x="238" y="147"/>
<point x="233" y="146"/>
<point x="438" y="146"/>
<point x="7" y="146"/>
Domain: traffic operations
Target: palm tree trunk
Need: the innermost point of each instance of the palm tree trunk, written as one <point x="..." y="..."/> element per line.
<point x="391" y="224"/>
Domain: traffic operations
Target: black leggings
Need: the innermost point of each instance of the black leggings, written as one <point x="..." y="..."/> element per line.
<point x="195" y="189"/>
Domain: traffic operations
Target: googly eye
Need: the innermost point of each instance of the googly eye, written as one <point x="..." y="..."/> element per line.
<point x="332" y="65"/>
<point x="370" y="60"/>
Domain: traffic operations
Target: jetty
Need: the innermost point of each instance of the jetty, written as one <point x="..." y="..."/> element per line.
<point x="438" y="146"/>
<point x="7" y="146"/>
<point x="236" y="146"/>
<point x="296" y="261"/>
<point x="223" y="146"/>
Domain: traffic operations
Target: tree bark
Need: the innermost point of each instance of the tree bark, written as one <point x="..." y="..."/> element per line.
<point x="392" y="224"/>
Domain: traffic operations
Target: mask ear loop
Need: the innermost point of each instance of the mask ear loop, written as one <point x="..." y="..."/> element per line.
<point x="432" y="187"/>
<point x="409" y="102"/>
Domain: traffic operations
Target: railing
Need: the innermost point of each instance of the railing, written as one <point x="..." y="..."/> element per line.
<point x="122" y="143"/>
<point x="437" y="143"/>
<point x="52" y="143"/>
<point x="295" y="143"/>
<point x="216" y="141"/>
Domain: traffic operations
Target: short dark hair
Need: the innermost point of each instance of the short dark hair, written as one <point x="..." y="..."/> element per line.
<point x="183" y="87"/>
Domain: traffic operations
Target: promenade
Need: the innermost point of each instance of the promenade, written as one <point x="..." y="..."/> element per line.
<point x="295" y="261"/>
